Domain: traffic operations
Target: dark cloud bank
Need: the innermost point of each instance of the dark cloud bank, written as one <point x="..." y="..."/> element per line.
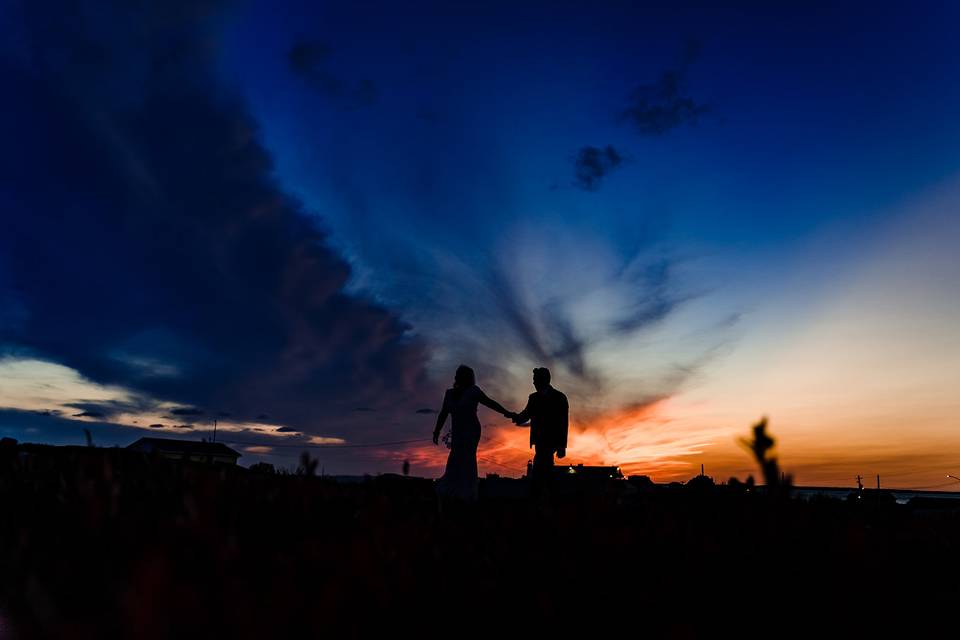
<point x="146" y="242"/>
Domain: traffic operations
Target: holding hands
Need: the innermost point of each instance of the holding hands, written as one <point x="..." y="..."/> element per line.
<point x="517" y="420"/>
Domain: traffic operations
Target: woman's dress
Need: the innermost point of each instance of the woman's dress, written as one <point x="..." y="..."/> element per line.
<point x="459" y="480"/>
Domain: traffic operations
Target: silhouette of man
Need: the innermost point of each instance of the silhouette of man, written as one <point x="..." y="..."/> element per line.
<point x="548" y="413"/>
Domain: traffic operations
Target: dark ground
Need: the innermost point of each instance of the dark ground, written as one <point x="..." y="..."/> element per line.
<point x="99" y="543"/>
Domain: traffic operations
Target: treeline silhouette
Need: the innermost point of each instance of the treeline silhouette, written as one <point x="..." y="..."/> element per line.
<point x="105" y="543"/>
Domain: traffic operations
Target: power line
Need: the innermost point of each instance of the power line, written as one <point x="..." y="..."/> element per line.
<point x="308" y="445"/>
<point x="933" y="486"/>
<point x="914" y="472"/>
<point x="505" y="466"/>
<point x="368" y="445"/>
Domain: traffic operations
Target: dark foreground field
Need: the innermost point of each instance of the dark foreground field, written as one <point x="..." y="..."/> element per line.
<point x="102" y="544"/>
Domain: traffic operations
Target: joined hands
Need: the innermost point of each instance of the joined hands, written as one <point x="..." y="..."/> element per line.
<point x="515" y="417"/>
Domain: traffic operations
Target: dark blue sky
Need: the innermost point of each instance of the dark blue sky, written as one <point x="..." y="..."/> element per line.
<point x="814" y="113"/>
<point x="305" y="214"/>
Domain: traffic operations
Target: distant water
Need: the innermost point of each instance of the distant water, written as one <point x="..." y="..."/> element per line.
<point x="903" y="496"/>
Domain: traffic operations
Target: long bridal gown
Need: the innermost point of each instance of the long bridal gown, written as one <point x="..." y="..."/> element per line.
<point x="460" y="480"/>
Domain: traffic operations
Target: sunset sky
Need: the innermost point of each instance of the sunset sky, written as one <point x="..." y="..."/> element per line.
<point x="297" y="219"/>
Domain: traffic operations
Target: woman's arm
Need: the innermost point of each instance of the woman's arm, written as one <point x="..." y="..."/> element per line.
<point x="441" y="418"/>
<point x="493" y="404"/>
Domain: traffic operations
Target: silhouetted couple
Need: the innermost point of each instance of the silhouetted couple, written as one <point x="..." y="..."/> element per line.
<point x="547" y="412"/>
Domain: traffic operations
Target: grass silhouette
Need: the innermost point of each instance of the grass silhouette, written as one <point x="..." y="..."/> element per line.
<point x="103" y="543"/>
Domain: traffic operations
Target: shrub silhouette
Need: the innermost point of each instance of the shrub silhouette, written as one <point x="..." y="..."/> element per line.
<point x="761" y="446"/>
<point x="262" y="467"/>
<point x="308" y="465"/>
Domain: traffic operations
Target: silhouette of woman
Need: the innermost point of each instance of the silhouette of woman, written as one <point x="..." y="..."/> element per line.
<point x="460" y="477"/>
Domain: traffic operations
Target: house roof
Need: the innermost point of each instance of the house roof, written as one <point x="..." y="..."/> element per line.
<point x="188" y="447"/>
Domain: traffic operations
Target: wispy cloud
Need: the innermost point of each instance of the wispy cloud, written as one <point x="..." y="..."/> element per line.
<point x="592" y="164"/>
<point x="312" y="62"/>
<point x="661" y="106"/>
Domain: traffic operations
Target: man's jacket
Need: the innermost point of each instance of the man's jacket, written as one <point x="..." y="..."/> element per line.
<point x="548" y="413"/>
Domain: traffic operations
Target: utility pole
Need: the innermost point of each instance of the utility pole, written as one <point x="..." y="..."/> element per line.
<point x="878" y="482"/>
<point x="859" y="486"/>
<point x="214" y="429"/>
<point x="701" y="469"/>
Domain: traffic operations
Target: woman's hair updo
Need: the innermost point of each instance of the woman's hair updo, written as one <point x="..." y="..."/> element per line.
<point x="464" y="377"/>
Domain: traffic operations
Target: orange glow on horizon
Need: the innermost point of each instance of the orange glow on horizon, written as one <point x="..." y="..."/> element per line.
<point x="640" y="440"/>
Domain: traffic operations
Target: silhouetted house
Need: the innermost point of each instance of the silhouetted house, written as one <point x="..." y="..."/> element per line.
<point x="496" y="486"/>
<point x="928" y="505"/>
<point x="186" y="450"/>
<point x="642" y="482"/>
<point x="700" y="482"/>
<point x="872" y="497"/>
<point x="582" y="472"/>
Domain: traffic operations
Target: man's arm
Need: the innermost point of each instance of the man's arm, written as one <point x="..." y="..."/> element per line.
<point x="564" y="427"/>
<point x="524" y="416"/>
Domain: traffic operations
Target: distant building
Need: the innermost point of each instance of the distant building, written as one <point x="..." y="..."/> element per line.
<point x="186" y="450"/>
<point x="585" y="472"/>
<point x="641" y="482"/>
<point x="700" y="482"/>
